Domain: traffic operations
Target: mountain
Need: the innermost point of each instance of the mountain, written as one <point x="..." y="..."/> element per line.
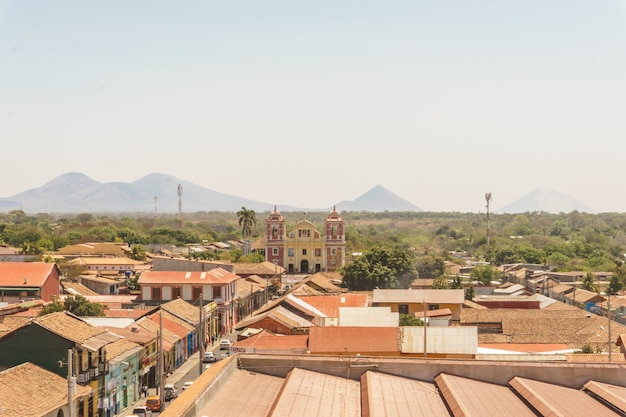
<point x="548" y="200"/>
<point x="77" y="193"/>
<point x="378" y="199"/>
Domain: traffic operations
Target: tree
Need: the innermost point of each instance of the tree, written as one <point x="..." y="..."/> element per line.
<point x="469" y="293"/>
<point x="54" y="307"/>
<point x="80" y="306"/>
<point x="485" y="274"/>
<point x="380" y="268"/>
<point x="616" y="283"/>
<point x="138" y="253"/>
<point x="590" y="283"/>
<point x="247" y="219"/>
<point x="409" y="320"/>
<point x="77" y="305"/>
<point x="440" y="283"/>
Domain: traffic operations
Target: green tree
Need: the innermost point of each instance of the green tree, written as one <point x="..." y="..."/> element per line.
<point x="616" y="283"/>
<point x="440" y="283"/>
<point x="54" y="307"/>
<point x="485" y="274"/>
<point x="469" y="293"/>
<point x="409" y="320"/>
<point x="589" y="282"/>
<point x="138" y="253"/>
<point x="430" y="266"/>
<point x="80" y="306"/>
<point x="247" y="220"/>
<point x="380" y="268"/>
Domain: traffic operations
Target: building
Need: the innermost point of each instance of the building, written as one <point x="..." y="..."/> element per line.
<point x="413" y="301"/>
<point x="304" y="249"/>
<point x="21" y="281"/>
<point x="217" y="285"/>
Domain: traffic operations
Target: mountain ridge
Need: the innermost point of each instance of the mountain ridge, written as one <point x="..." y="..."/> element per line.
<point x="75" y="192"/>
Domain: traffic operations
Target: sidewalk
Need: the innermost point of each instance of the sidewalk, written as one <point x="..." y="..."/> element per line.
<point x="173" y="378"/>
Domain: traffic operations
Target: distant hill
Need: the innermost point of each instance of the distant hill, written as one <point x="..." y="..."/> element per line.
<point x="548" y="200"/>
<point x="378" y="199"/>
<point x="77" y="193"/>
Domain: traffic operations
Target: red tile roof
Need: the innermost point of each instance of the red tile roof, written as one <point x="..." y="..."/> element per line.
<point x="268" y="341"/>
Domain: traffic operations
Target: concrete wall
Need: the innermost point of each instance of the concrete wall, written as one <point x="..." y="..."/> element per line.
<point x="566" y="374"/>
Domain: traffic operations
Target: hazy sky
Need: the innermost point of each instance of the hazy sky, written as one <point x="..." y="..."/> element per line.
<point x="307" y="103"/>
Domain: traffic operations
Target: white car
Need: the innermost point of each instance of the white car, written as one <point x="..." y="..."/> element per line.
<point x="225" y="344"/>
<point x="187" y="385"/>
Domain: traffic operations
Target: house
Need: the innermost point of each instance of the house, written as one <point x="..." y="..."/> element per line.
<point x="366" y="341"/>
<point x="29" y="281"/>
<point x="411" y="301"/>
<point x="262" y="269"/>
<point x="265" y="342"/>
<point x="123" y="377"/>
<point x="95" y="249"/>
<point x="111" y="266"/>
<point x="171" y="263"/>
<point x="100" y="285"/>
<point x="46" y="341"/>
<point x="329" y="305"/>
<point x="583" y="298"/>
<point x="216" y="285"/>
<point x="31" y="390"/>
<point x="278" y="320"/>
<point x="148" y="361"/>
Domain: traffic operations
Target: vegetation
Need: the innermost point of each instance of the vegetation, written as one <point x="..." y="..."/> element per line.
<point x="380" y="268"/>
<point x="409" y="320"/>
<point x="567" y="241"/>
<point x="77" y="305"/>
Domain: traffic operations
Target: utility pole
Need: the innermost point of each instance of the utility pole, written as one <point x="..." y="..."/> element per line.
<point x="161" y="364"/>
<point x="488" y="199"/>
<point x="71" y="384"/>
<point x="425" y="331"/>
<point x="608" y="314"/>
<point x="201" y="339"/>
<point x="180" y="206"/>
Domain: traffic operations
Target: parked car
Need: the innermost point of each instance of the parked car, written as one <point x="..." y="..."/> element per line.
<point x="187" y="384"/>
<point x="153" y="403"/>
<point x="209" y="357"/>
<point x="225" y="344"/>
<point x="170" y="392"/>
<point x="142" y="411"/>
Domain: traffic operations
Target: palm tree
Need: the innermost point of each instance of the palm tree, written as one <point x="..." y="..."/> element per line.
<point x="589" y="282"/>
<point x="247" y="219"/>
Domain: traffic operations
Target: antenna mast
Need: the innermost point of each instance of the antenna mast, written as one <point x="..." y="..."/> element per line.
<point x="180" y="205"/>
<point x="488" y="200"/>
<point x="155" y="206"/>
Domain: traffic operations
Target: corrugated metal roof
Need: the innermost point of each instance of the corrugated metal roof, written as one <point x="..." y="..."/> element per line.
<point x="467" y="397"/>
<point x="368" y="317"/>
<point x="100" y="340"/>
<point x="554" y="400"/>
<point x="313" y="394"/>
<point x="393" y="396"/>
<point x="365" y="340"/>
<point x="612" y="394"/>
<point x="441" y="340"/>
<point x="216" y="276"/>
<point x="329" y="304"/>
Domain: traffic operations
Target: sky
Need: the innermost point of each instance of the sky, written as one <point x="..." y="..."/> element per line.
<point x="311" y="103"/>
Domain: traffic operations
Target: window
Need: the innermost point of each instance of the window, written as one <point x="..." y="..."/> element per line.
<point x="318" y="252"/>
<point x="433" y="306"/>
<point x="217" y="292"/>
<point x="304" y="251"/>
<point x="196" y="292"/>
<point x="175" y="293"/>
<point x="275" y="251"/>
<point x="290" y="251"/>
<point x="156" y="293"/>
<point x="403" y="308"/>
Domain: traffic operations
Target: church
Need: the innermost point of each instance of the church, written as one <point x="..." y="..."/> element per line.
<point x="304" y="250"/>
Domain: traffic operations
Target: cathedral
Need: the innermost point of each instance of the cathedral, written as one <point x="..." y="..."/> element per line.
<point x="304" y="249"/>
